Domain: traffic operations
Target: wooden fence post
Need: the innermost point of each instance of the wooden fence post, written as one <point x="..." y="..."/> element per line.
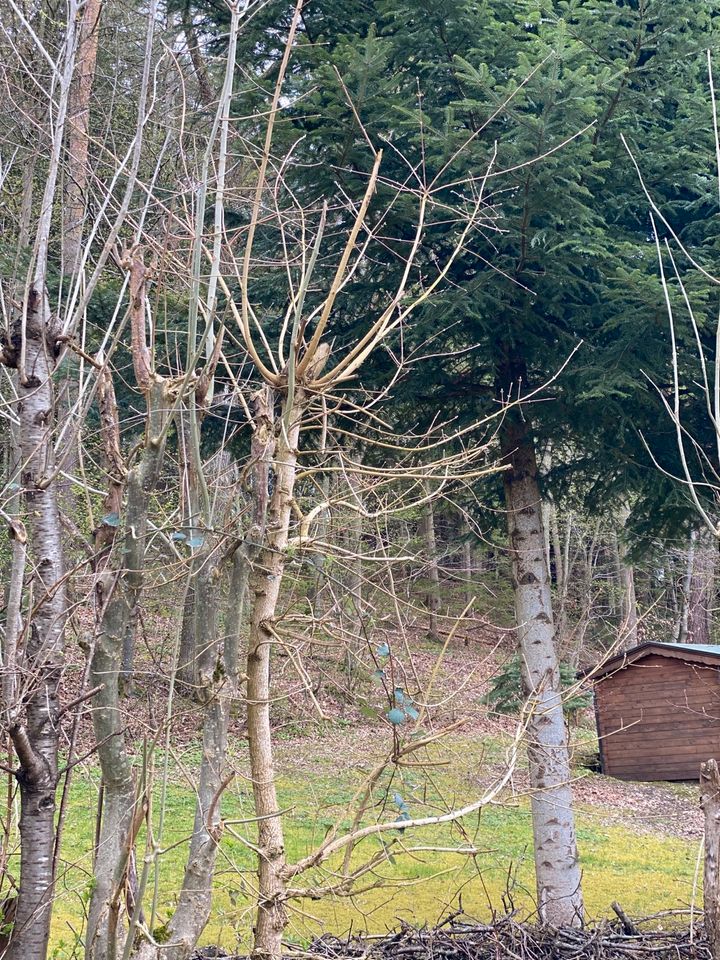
<point x="710" y="803"/>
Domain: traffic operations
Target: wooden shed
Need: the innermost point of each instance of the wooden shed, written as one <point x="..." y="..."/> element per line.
<point x="657" y="708"/>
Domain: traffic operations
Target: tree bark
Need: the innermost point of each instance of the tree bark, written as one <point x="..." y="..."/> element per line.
<point x="33" y="721"/>
<point x="557" y="548"/>
<point x="16" y="573"/>
<point x="710" y="803"/>
<point x="547" y="510"/>
<point x="557" y="868"/>
<point x="73" y="210"/>
<point x="187" y="671"/>
<point x="630" y="614"/>
<point x="187" y="663"/>
<point x="195" y="899"/>
<point x="219" y="686"/>
<point x="468" y="561"/>
<point x="563" y="567"/>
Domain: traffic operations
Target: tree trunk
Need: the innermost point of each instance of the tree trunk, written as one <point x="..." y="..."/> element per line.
<point x="630" y="614"/>
<point x="127" y="662"/>
<point x="187" y="654"/>
<point x="353" y="605"/>
<point x="118" y="592"/>
<point x="194" y="655"/>
<point x="710" y="803"/>
<point x="682" y="626"/>
<point x="468" y="562"/>
<point x="36" y="737"/>
<point x="279" y="442"/>
<point x="187" y="664"/>
<point x="234" y="615"/>
<point x="16" y="574"/>
<point x="547" y="511"/>
<point x="432" y="597"/>
<point x="560" y="578"/>
<point x="78" y="122"/>
<point x="218" y="687"/>
<point x="627" y="590"/>
<point x="319" y="593"/>
<point x="193" y="907"/>
<point x="557" y="868"/>
<point x="73" y="213"/>
<point x="701" y="592"/>
<point x="33" y="720"/>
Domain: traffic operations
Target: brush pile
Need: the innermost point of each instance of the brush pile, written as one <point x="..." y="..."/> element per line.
<point x="461" y="939"/>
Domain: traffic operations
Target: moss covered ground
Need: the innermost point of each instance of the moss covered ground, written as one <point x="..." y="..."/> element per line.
<point x="646" y="871"/>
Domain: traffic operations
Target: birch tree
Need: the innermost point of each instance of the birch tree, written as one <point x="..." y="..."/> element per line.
<point x="32" y="708"/>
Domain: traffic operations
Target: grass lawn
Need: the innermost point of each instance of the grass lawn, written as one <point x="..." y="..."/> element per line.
<point x="645" y="873"/>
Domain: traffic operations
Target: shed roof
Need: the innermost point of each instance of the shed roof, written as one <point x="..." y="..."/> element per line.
<point x="705" y="653"/>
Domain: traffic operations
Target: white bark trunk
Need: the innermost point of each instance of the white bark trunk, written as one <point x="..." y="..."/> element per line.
<point x="557" y="868"/>
<point x="16" y="579"/>
<point x="36" y="735"/>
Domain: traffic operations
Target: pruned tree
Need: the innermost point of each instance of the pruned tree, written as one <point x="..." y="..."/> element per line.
<point x="299" y="365"/>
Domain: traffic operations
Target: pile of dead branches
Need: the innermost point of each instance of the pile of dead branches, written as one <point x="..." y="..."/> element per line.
<point x="506" y="939"/>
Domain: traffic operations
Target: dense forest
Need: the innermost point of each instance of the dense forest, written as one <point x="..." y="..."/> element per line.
<point x="359" y="398"/>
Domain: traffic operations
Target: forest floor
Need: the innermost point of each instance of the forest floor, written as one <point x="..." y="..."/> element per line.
<point x="639" y="843"/>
